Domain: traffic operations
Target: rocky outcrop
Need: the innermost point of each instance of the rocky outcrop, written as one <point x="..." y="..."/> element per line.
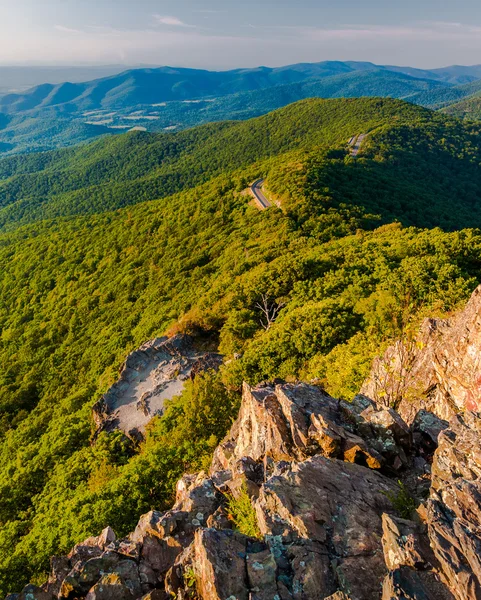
<point x="454" y="508"/>
<point x="293" y="422"/>
<point x="439" y="371"/>
<point x="154" y="373"/>
<point x="318" y="482"/>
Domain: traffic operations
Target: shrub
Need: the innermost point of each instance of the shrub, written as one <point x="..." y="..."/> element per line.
<point x="243" y="514"/>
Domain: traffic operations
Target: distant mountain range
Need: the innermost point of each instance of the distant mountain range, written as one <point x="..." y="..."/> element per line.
<point x="53" y="115"/>
<point x="15" y="79"/>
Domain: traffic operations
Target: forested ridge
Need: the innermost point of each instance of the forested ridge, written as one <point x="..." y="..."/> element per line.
<point x="123" y="170"/>
<point x="156" y="233"/>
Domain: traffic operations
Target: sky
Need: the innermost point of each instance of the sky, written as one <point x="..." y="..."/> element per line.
<point x="223" y="34"/>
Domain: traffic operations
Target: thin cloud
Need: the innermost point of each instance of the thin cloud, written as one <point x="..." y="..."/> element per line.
<point x="66" y="29"/>
<point x="434" y="31"/>
<point x="170" y="21"/>
<point x="420" y="44"/>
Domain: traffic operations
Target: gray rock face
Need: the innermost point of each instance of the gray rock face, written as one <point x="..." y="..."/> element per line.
<point x="319" y="482"/>
<point x="154" y="373"/>
<point x="438" y="372"/>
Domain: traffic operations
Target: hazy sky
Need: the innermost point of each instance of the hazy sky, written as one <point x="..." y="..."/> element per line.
<point x="226" y="33"/>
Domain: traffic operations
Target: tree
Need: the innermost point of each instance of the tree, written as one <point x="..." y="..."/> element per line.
<point x="270" y="311"/>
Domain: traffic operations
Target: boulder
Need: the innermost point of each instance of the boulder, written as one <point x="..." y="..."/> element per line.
<point x="110" y="587"/>
<point x="403" y="544"/>
<point x="32" y="592"/>
<point x="219" y="565"/>
<point x="92" y="547"/>
<point x="262" y="574"/>
<point x="196" y="495"/>
<point x="161" y="537"/>
<point x="261" y="430"/>
<point x="426" y="429"/>
<point x="405" y="583"/>
<point x="60" y="567"/>
<point x="337" y="507"/>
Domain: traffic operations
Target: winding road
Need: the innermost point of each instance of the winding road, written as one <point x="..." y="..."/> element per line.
<point x="256" y="191"/>
<point x="256" y="188"/>
<point x="355" y="143"/>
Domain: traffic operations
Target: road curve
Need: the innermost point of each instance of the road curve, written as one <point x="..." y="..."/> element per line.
<point x="256" y="190"/>
<point x="355" y="143"/>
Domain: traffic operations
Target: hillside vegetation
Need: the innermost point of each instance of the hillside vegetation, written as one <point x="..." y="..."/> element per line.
<point x="445" y="96"/>
<point x="469" y="108"/>
<point x="405" y="140"/>
<point x="191" y="253"/>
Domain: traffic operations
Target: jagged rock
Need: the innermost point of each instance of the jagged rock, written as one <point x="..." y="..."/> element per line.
<point x="262" y="574"/>
<point x="387" y="420"/>
<point x="392" y="438"/>
<point x="92" y="547"/>
<point x="219" y="565"/>
<point x="437" y="372"/>
<point x="84" y="576"/>
<point x="103" y="540"/>
<point x="426" y="428"/>
<point x="196" y="494"/>
<point x="304" y="502"/>
<point x="319" y="474"/>
<point x="179" y="576"/>
<point x="403" y="544"/>
<point x="32" y="592"/>
<point x="128" y="570"/>
<point x="454" y="508"/>
<point x="110" y="587"/>
<point x="357" y="451"/>
<point x="160" y="554"/>
<point x="407" y="584"/>
<point x="60" y="567"/>
<point x="163" y="536"/>
<point x="260" y="430"/>
<point x="292" y="422"/>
